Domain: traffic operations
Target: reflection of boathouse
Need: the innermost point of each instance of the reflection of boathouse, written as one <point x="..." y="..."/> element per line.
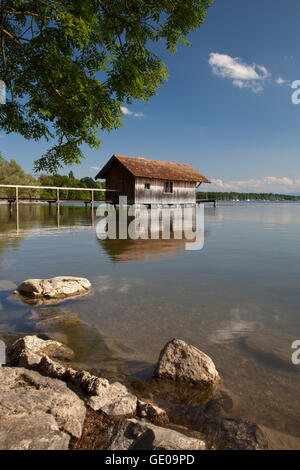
<point x="154" y="234"/>
<point x="146" y="181"/>
<point x="122" y="251"/>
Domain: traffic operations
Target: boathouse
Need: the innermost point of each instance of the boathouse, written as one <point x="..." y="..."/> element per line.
<point x="146" y="181"/>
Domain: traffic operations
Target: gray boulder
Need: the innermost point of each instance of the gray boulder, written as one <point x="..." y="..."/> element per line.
<point x="131" y="434"/>
<point x="31" y="432"/>
<point x="56" y="288"/>
<point x="24" y="392"/>
<point x="28" y="351"/>
<point x="181" y="362"/>
<point x="111" y="397"/>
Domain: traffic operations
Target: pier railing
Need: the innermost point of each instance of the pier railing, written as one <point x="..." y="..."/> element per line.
<point x="16" y="199"/>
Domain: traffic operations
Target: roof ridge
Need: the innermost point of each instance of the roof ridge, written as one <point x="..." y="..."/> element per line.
<point x="152" y="160"/>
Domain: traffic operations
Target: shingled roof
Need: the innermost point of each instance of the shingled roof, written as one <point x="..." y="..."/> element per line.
<point x="156" y="169"/>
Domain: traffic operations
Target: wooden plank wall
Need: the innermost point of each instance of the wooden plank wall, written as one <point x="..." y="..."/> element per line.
<point x="183" y="192"/>
<point x="122" y="181"/>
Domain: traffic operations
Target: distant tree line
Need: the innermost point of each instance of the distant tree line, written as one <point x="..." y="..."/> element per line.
<point x="233" y="196"/>
<point x="12" y="173"/>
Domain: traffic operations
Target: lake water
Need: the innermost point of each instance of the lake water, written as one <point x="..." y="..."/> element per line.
<point x="237" y="299"/>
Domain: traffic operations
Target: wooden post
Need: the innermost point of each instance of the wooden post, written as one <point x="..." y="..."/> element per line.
<point x="215" y="203"/>
<point x="92" y="207"/>
<point x="17" y="208"/>
<point x="57" y="208"/>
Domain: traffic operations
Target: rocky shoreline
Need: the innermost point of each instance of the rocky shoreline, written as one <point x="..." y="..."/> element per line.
<point x="44" y="404"/>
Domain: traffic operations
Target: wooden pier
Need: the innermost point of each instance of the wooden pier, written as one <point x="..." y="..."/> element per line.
<point x="214" y="200"/>
<point x="17" y="199"/>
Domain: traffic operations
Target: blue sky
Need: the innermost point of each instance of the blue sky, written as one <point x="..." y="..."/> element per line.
<point x="226" y="107"/>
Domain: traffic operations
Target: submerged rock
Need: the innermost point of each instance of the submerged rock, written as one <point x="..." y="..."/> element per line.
<point x="183" y="363"/>
<point x="221" y="404"/>
<point x="27" y="393"/>
<point x="151" y="412"/>
<point x="234" y="434"/>
<point x="29" y="350"/>
<point x="131" y="434"/>
<point x="60" y="287"/>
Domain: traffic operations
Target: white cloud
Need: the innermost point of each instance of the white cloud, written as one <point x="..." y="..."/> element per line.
<point x="242" y="75"/>
<point x="127" y="112"/>
<point x="268" y="184"/>
<point x="94" y="168"/>
<point x="281" y="81"/>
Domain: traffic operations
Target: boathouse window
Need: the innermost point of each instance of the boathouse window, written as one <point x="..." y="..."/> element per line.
<point x="147" y="185"/>
<point x="168" y="187"/>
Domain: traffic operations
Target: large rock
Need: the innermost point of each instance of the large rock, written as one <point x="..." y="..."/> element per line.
<point x="59" y="287"/>
<point x="110" y="397"/>
<point x="29" y="350"/>
<point x="24" y="392"/>
<point x="131" y="434"/>
<point x="181" y="362"/>
<point x="233" y="434"/>
<point x="33" y="432"/>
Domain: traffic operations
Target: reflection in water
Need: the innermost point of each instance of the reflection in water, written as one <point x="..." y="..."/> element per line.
<point x="121" y="251"/>
<point x="153" y="234"/>
<point x="235" y="327"/>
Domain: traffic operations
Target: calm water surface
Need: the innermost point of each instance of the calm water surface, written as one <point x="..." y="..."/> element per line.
<point x="242" y="287"/>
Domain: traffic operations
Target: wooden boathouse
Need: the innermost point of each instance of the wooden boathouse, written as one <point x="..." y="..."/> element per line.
<point x="146" y="181"/>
